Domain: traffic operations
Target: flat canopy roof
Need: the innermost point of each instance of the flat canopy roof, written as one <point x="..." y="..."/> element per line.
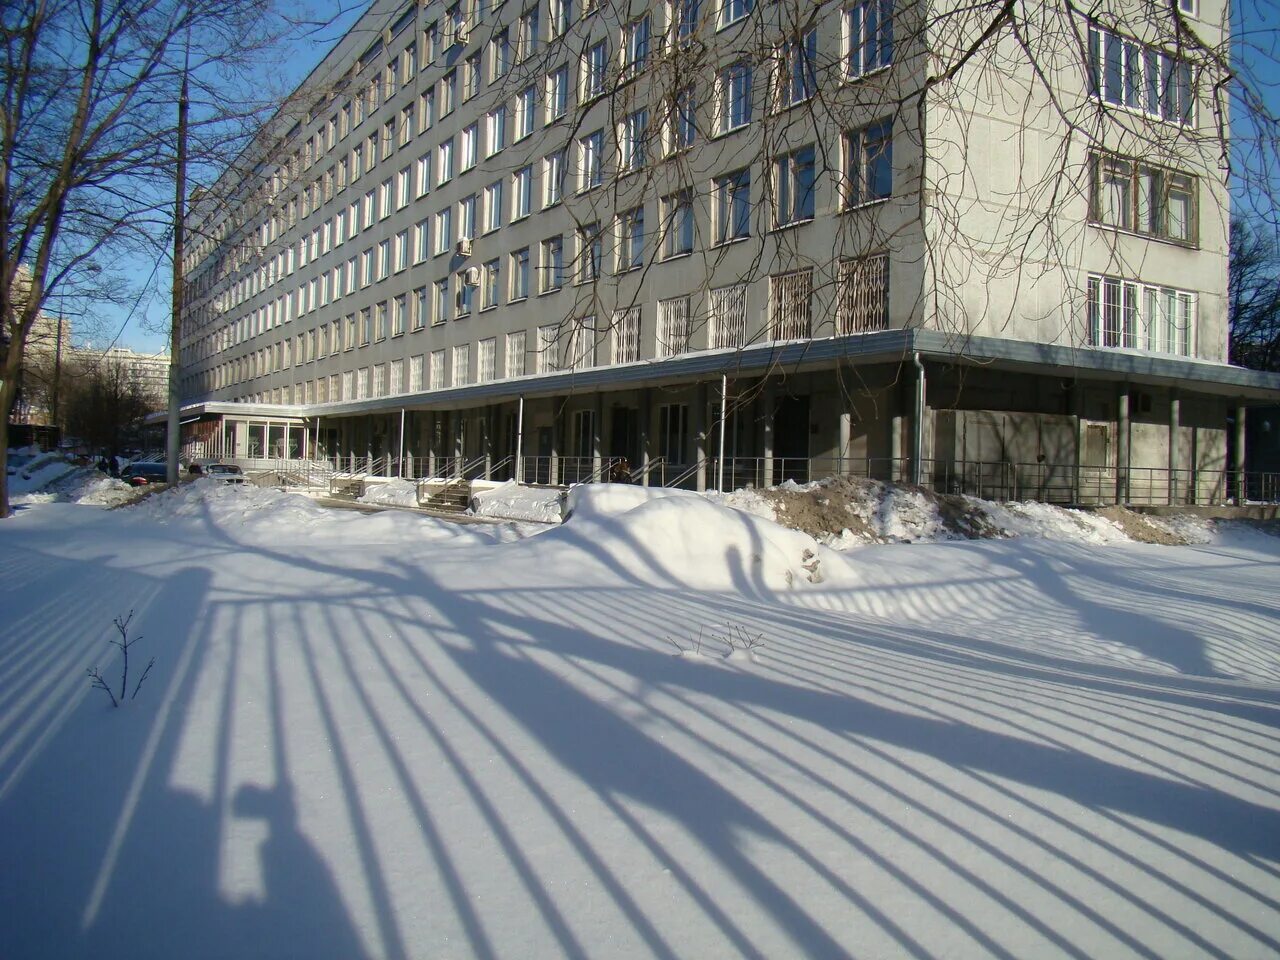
<point x="888" y="346"/>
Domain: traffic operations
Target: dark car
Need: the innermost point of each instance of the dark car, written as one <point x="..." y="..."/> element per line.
<point x="142" y="473"/>
<point x="224" y="472"/>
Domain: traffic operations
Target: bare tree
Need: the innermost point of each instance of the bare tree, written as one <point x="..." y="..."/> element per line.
<point x="105" y="400"/>
<point x="1255" y="295"/>
<point x="87" y="128"/>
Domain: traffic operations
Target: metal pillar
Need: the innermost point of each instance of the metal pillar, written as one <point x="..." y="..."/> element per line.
<point x="1122" y="446"/>
<point x="1175" y="458"/>
<point x="700" y="434"/>
<point x="646" y="428"/>
<point x="724" y="417"/>
<point x="520" y="441"/>
<point x="768" y="401"/>
<point x="1238" y="458"/>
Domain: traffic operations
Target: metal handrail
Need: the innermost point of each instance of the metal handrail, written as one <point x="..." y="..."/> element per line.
<point x="690" y="471"/>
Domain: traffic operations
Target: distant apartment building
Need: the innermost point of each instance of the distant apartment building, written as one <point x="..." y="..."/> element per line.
<point x="739" y="241"/>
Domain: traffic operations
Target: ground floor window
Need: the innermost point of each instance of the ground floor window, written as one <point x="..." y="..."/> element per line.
<point x="673" y="432"/>
<point x="1128" y="314"/>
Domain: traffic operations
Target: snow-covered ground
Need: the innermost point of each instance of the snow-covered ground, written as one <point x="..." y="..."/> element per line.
<point x="391" y="736"/>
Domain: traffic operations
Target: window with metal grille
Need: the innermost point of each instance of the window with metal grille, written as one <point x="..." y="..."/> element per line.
<point x="674" y="326"/>
<point x="624" y="343"/>
<point x="728" y="316"/>
<point x="862" y="295"/>
<point x="790" y="305"/>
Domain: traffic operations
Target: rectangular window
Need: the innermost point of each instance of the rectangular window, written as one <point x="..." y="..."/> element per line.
<point x="862" y="295"/>
<point x="448" y="92"/>
<point x="521" y="193"/>
<point x="437" y="370"/>
<point x="490" y="285"/>
<point x="682" y="19"/>
<point x="384" y="259"/>
<point x="380" y="318"/>
<point x="636" y="38"/>
<point x="520" y="274"/>
<point x="399" y="309"/>
<point x="793" y="185"/>
<point x="553" y="174"/>
<point x="674" y="326"/>
<point x="868" y="164"/>
<point x="631" y="240"/>
<point x="493" y="206"/>
<point x="1125" y="73"/>
<point x="440" y="309"/>
<point x="499" y="55"/>
<point x="728" y="318"/>
<point x="366" y="327"/>
<point x="415" y="373"/>
<point x="557" y="94"/>
<point x="486" y="360"/>
<point x="551" y="265"/>
<point x="1131" y="315"/>
<point x="677" y="224"/>
<point x="590" y="252"/>
<point x="470" y="148"/>
<point x="681" y="127"/>
<point x="421" y="241"/>
<point x="526" y="112"/>
<point x="465" y="287"/>
<point x="790" y="305"/>
<point x="362" y="383"/>
<point x="595" y="67"/>
<point x="444" y="231"/>
<point x="395" y="377"/>
<point x="547" y="335"/>
<point x="624" y="340"/>
<point x="580" y="349"/>
<point x="1138" y="197"/>
<point x="731" y="11"/>
<point x="561" y="17"/>
<point x="733" y="97"/>
<point x="527" y="34"/>
<point x="495" y="130"/>
<point x="404" y="188"/>
<point x="401" y="251"/>
<point x="867" y="28"/>
<point x="407" y="131"/>
<point x="591" y="160"/>
<point x="731" y="210"/>
<point x="633" y="136"/>
<point x="461" y="364"/>
<point x="467" y="218"/>
<point x="444" y="166"/>
<point x="423" y="176"/>
<point x="514" y="354"/>
<point x="471" y="76"/>
<point x="420" y="309"/>
<point x="385" y="195"/>
<point x="795" y="76"/>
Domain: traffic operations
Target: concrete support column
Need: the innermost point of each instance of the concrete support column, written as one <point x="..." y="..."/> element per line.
<point x="895" y="448"/>
<point x="1238" y="457"/>
<point x="432" y="453"/>
<point x="844" y="448"/>
<point x="1175" y="457"/>
<point x="597" y="435"/>
<point x="1122" y="445"/>
<point x="557" y="413"/>
<point x="645" y="418"/>
<point x="768" y="409"/>
<point x="1077" y="406"/>
<point x="919" y="413"/>
<point x="488" y="442"/>
<point x="700" y="434"/>
<point x="455" y="421"/>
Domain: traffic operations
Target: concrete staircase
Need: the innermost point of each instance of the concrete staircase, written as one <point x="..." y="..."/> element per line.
<point x="447" y="498"/>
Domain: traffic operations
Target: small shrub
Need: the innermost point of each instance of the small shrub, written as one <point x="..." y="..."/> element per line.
<point x="98" y="682"/>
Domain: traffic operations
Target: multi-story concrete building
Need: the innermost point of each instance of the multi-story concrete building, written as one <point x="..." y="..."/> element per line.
<point x="918" y="239"/>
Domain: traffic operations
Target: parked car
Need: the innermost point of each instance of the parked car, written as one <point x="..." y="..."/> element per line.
<point x="225" y="472"/>
<point x="144" y="472"/>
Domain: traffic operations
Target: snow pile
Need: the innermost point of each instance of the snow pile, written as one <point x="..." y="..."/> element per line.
<point x="86" y="485"/>
<point x="512" y="501"/>
<point x="1047" y="522"/>
<point x="37" y="472"/>
<point x="228" y="505"/>
<point x="393" y="493"/>
<point x="688" y="540"/>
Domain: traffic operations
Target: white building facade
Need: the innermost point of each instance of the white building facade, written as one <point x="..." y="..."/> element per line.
<point x="732" y="243"/>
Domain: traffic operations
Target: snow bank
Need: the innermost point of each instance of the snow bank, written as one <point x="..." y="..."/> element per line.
<point x="1047" y="522"/>
<point x="394" y="492"/>
<point x="512" y="501"/>
<point x="38" y="472"/>
<point x="675" y="536"/>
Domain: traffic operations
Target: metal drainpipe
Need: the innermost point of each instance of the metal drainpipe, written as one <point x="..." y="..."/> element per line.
<point x="917" y="422"/>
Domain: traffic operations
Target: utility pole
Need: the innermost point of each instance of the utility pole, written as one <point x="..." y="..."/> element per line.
<point x="173" y="438"/>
